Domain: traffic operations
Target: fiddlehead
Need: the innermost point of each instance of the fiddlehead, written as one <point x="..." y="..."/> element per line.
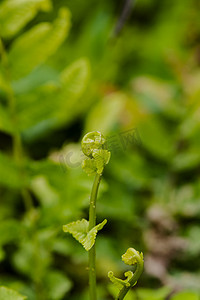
<point x="94" y="147"/>
<point x="91" y="142"/>
<point x="131" y="257"/>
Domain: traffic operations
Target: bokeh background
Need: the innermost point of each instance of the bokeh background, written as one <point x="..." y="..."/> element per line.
<point x="69" y="67"/>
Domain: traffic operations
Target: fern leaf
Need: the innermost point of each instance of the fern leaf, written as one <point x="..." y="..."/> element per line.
<point x="15" y="14"/>
<point x="38" y="44"/>
<point x="53" y="104"/>
<point x="102" y="158"/>
<point x="91" y="236"/>
<point x="129" y="257"/>
<point x="75" y="77"/>
<point x="119" y="282"/>
<point x="89" y="166"/>
<point x="80" y="231"/>
<point x="8" y="294"/>
<point x="74" y="80"/>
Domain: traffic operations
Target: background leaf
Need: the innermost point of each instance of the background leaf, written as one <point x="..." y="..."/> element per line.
<point x="8" y="294"/>
<point x="38" y="44"/>
<point x="14" y="14"/>
<point x="5" y="120"/>
<point x="11" y="174"/>
<point x="185" y="296"/>
<point x="51" y="103"/>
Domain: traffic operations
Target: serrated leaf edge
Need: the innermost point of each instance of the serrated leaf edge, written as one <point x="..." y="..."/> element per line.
<point x="86" y="243"/>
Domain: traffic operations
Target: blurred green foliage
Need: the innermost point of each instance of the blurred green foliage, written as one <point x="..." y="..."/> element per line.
<point x="63" y="73"/>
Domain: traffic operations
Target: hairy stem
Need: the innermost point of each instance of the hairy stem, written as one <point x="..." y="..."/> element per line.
<point x="133" y="280"/>
<point x="92" y="251"/>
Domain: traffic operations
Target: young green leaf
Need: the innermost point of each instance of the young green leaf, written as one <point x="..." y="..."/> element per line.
<point x="93" y="145"/>
<point x="8" y="294"/>
<point x="38" y="44"/>
<point x="101" y="158"/>
<point x="14" y="14"/>
<point x="89" y="166"/>
<point x="130" y="257"/>
<point x="92" y="141"/>
<point x="119" y="282"/>
<point x="80" y="231"/>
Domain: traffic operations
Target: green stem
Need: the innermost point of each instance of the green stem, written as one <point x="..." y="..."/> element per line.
<point x="137" y="274"/>
<point x="92" y="251"/>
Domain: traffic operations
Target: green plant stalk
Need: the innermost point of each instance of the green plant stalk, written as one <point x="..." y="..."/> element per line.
<point x="92" y="251"/>
<point x="137" y="274"/>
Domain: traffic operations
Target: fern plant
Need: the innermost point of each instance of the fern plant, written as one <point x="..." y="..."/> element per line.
<point x="97" y="157"/>
<point x="34" y="99"/>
